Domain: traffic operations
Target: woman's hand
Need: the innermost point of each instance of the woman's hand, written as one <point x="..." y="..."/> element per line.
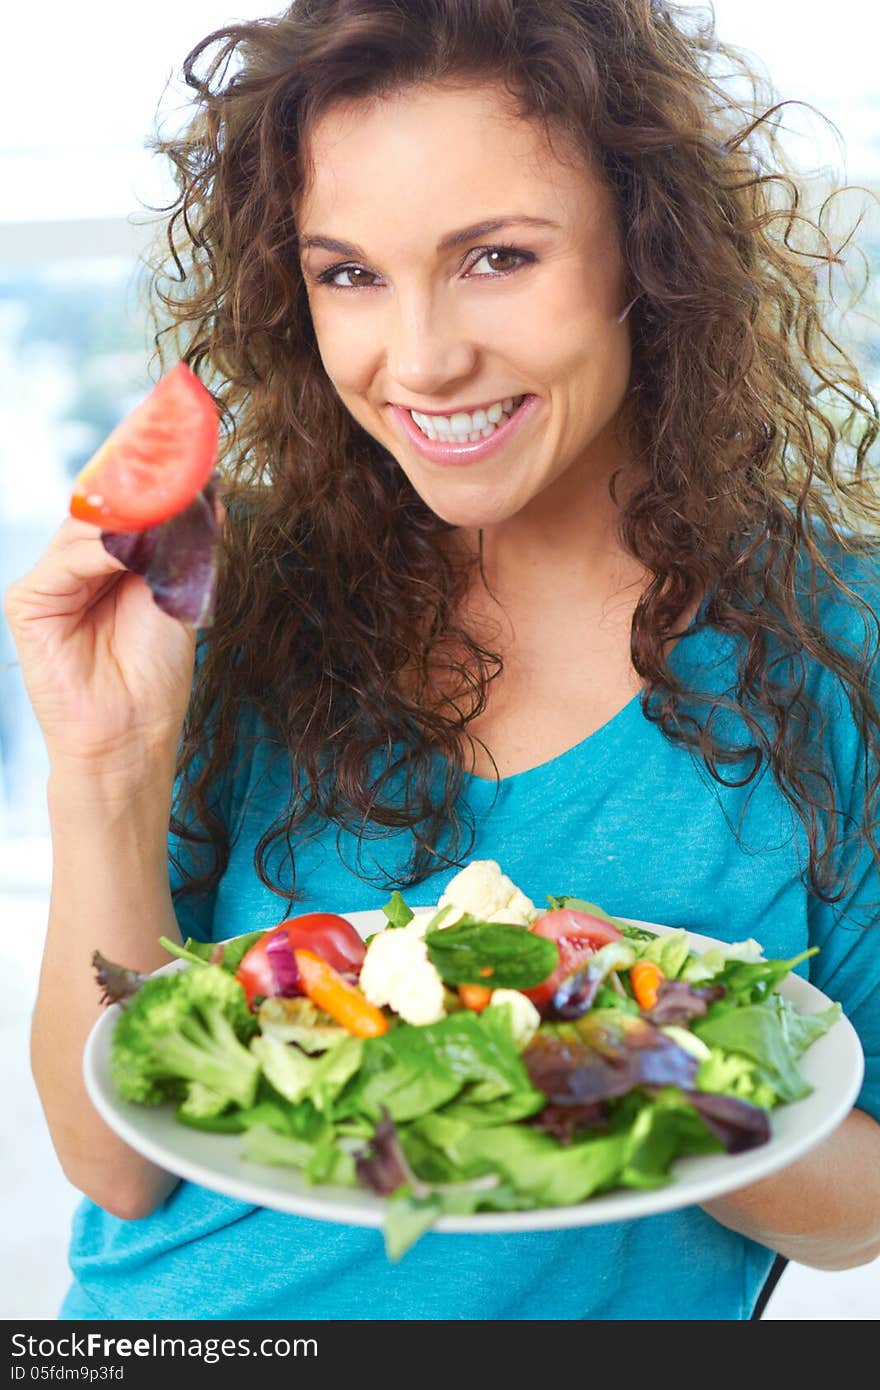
<point x="107" y="672"/>
<point x="824" y="1209"/>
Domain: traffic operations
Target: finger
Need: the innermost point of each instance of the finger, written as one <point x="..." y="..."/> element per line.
<point x="68" y="576"/>
<point x="86" y="538"/>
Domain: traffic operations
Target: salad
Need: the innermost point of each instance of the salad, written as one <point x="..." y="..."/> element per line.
<point x="483" y="1055"/>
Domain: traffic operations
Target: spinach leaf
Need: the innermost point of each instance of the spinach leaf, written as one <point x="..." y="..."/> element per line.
<point x="491" y="953"/>
<point x="749" y="982"/>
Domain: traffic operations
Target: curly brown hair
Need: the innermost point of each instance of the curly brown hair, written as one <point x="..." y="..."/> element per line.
<point x="751" y="423"/>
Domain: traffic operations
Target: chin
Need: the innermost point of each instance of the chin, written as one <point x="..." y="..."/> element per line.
<point x="468" y="513"/>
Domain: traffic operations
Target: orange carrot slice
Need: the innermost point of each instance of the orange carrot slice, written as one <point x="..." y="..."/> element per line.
<point x="645" y="977"/>
<point x="342" y="1001"/>
<point x="475" y="997"/>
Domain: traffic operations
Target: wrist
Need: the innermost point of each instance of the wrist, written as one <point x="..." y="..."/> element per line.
<point x="127" y="782"/>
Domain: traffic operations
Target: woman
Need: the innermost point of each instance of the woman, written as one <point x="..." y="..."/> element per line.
<point x="540" y="547"/>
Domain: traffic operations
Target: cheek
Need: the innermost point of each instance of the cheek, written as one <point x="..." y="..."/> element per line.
<point x="558" y="330"/>
<point x="346" y="342"/>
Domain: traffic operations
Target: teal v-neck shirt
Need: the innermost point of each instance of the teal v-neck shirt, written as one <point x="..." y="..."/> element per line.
<point x="625" y="820"/>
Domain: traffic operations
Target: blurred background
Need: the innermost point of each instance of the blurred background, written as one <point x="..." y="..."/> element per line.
<point x="76" y="183"/>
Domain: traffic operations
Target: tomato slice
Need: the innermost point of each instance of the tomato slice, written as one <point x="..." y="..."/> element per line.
<point x="155" y="462"/>
<point x="326" y="934"/>
<point x="578" y="935"/>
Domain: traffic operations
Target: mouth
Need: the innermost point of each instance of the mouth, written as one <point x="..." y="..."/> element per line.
<point x="467" y="426"/>
<point x="465" y="436"/>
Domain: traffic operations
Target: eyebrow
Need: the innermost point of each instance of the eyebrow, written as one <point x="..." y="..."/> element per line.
<point x="471" y="233"/>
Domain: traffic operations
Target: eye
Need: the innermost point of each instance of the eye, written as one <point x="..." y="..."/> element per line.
<point x="332" y="278"/>
<point x="503" y="260"/>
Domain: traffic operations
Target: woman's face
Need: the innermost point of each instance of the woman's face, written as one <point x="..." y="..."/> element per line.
<point x="459" y="270"/>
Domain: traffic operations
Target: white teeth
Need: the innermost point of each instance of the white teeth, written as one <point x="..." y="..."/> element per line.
<point x="466" y="428"/>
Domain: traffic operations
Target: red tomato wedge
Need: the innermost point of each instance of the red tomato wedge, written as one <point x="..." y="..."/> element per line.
<point x="155" y="462"/>
<point x="578" y="935"/>
<point x="326" y="934"/>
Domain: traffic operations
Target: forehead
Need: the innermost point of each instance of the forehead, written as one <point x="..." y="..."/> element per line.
<point x="439" y="156"/>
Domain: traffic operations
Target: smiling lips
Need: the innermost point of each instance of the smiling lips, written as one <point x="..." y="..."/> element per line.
<point x="465" y="426"/>
<point x="465" y="436"/>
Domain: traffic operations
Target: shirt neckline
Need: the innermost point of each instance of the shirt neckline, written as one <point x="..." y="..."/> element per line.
<point x="482" y="790"/>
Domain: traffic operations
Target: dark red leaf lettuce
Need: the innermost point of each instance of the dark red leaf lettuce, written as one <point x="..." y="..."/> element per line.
<point x="606" y="1053"/>
<point x="738" y="1124"/>
<point x="178" y="558"/>
<point x="115" y="982"/>
<point x="382" y="1165"/>
<point x="678" y="1002"/>
<point x="565" y="1121"/>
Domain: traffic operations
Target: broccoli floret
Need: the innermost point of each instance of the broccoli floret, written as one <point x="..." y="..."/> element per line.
<point x="183" y="1028"/>
<point x="202" y="1103"/>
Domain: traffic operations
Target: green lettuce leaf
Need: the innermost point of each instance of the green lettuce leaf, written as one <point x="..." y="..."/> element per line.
<point x="669" y="952"/>
<point x="407" y="1219"/>
<point x="397" y="911"/>
<point x="659" y="1133"/>
<point x="773" y="1034"/>
<point x="552" y="1174"/>
<point x="200" y="952"/>
<point x="411" y="1071"/>
<point x="297" y="1076"/>
<point x="235" y="950"/>
<point x="725" y="1073"/>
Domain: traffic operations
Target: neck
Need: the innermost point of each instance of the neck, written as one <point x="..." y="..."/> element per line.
<point x="564" y="548"/>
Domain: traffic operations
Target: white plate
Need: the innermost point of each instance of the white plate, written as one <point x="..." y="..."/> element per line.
<point x="833" y="1066"/>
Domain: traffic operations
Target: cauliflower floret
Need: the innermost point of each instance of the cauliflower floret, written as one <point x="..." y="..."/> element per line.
<point x="524" y="1017"/>
<point x="749" y="951"/>
<point x="419" y="923"/>
<point x="397" y="972"/>
<point x="485" y="892"/>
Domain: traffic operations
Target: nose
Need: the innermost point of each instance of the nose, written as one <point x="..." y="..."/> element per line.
<point x="428" y="347"/>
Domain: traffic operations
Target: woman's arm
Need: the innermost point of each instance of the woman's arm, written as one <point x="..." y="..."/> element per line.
<point x="110" y="892"/>
<point x="823" y="1210"/>
<point x="109" y="677"/>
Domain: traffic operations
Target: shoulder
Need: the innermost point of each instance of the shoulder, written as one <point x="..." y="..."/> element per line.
<point x="844" y="681"/>
<point x="847" y="596"/>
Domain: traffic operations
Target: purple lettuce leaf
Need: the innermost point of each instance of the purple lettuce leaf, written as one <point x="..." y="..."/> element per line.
<point x="382" y="1165"/>
<point x="565" y="1121"/>
<point x="178" y="558"/>
<point x="576" y="993"/>
<point x="678" y="1002"/>
<point x="738" y="1124"/>
<point x="115" y="982"/>
<point x="609" y="1053"/>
